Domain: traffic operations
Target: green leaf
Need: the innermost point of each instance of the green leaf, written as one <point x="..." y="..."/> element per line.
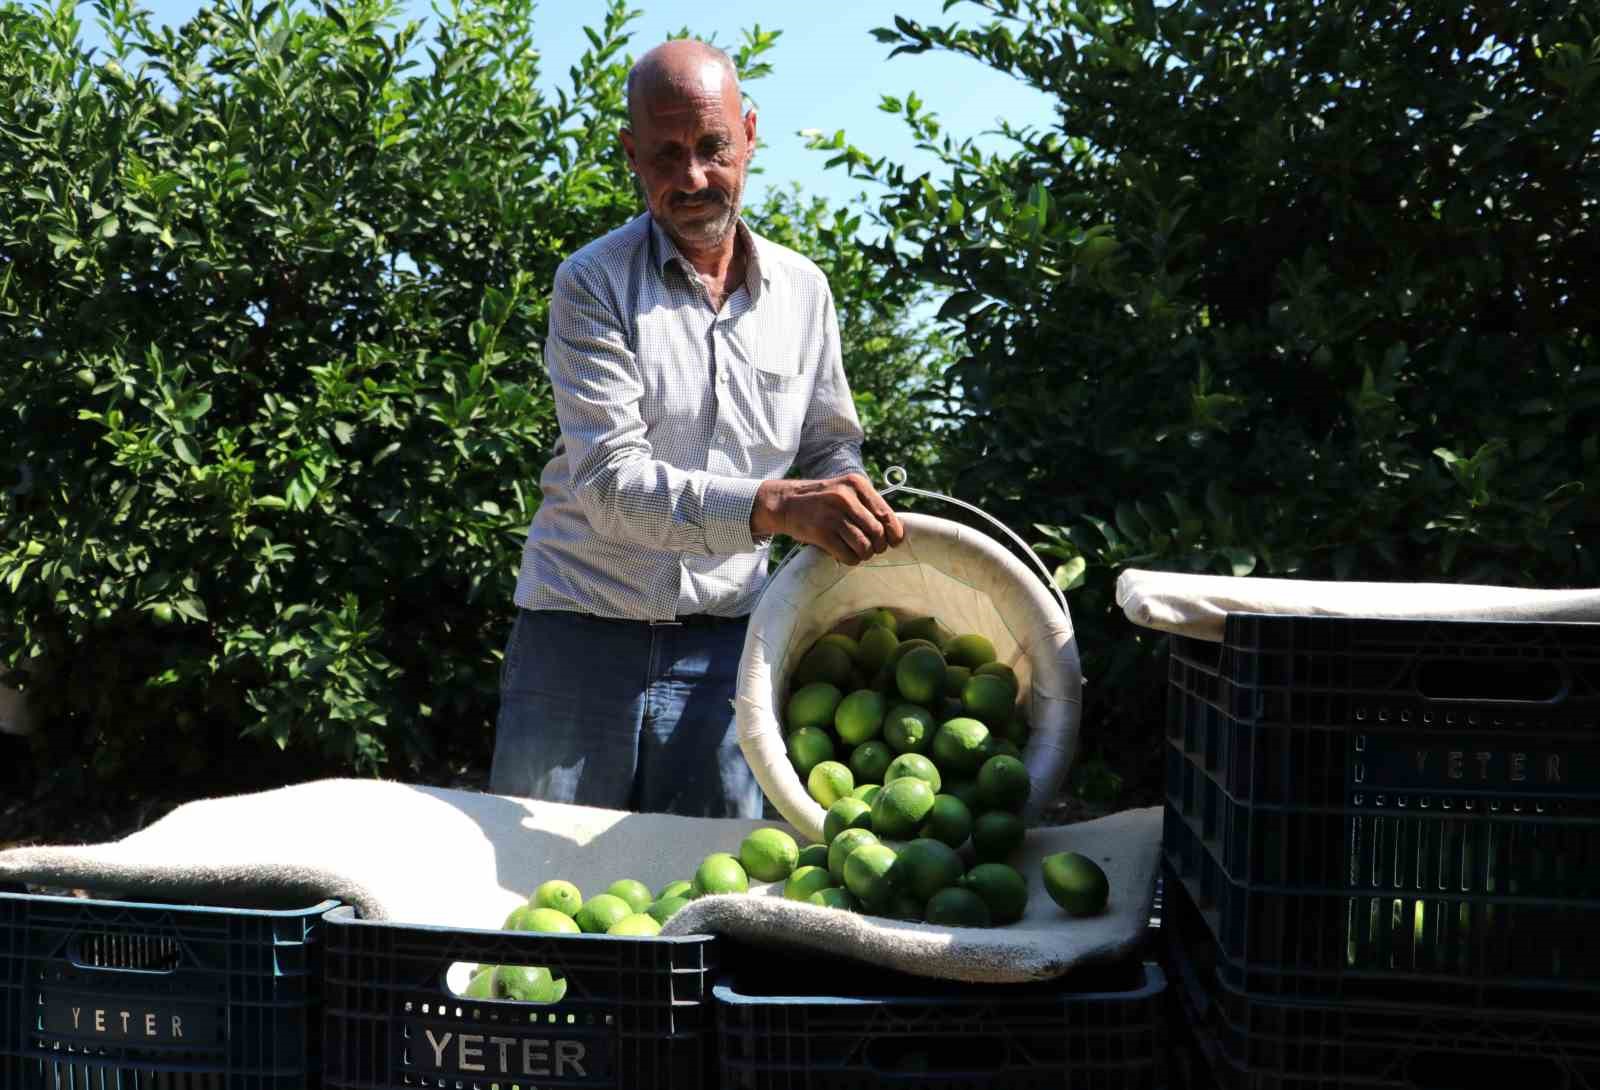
<point x="960" y="303"/>
<point x="184" y="448"/>
<point x="1069" y="576"/>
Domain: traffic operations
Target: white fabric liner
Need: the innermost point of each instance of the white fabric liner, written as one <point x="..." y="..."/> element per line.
<point x="462" y="859"/>
<point x="943" y="569"/>
<point x="1197" y="605"/>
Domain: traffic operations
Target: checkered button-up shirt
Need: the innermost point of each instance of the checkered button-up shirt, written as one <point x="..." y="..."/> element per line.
<point x="672" y="415"/>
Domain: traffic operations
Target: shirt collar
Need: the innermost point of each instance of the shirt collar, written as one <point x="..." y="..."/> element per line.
<point x="756" y="276"/>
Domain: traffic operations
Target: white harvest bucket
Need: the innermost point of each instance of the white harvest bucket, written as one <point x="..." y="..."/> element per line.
<point x="943" y="569"/>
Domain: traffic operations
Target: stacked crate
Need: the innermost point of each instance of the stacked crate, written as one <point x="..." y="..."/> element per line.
<point x="113" y="995"/>
<point x="1382" y="851"/>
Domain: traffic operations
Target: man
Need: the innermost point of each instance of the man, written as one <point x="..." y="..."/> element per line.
<point x="694" y="365"/>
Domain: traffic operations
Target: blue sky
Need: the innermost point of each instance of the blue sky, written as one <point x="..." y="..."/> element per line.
<point x="828" y="73"/>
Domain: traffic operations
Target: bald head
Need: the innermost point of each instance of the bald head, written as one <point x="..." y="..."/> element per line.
<point x="680" y="69"/>
<point x="688" y="142"/>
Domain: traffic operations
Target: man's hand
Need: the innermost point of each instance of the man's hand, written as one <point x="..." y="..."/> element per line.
<point x="843" y="516"/>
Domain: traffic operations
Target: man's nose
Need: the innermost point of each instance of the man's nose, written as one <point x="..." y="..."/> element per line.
<point x="694" y="174"/>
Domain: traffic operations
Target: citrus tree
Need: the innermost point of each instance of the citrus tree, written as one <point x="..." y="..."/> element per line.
<point x="1298" y="288"/>
<point x="273" y="286"/>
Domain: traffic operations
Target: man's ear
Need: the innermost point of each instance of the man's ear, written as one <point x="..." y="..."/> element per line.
<point x="625" y="138"/>
<point x="749" y="135"/>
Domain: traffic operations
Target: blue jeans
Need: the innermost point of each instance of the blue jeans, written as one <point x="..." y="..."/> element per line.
<point x="622" y="715"/>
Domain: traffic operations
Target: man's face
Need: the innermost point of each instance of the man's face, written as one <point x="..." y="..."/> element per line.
<point x="691" y="151"/>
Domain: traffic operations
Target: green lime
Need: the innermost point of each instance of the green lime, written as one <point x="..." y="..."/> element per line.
<point x="768" y="855"/>
<point x="813" y="855"/>
<point x="514" y="922"/>
<point x="958" y="746"/>
<point x="903" y="906"/>
<point x="908" y="646"/>
<point x="812" y="706"/>
<point x="882" y="617"/>
<point x="826" y="662"/>
<point x="926" y="867"/>
<point x="971" y="650"/>
<point x="957" y="907"/>
<point x="559" y="895"/>
<point x="925" y="628"/>
<point x="834" y="897"/>
<point x="720" y="872"/>
<point x="829" y="782"/>
<point x="843" y="844"/>
<point x="1003" y="784"/>
<point x="845" y="643"/>
<point x="809" y="747"/>
<point x="1001" y="670"/>
<point x="481" y="986"/>
<point x="875" y="647"/>
<point x="526" y="983"/>
<point x="600" y="912"/>
<point x="988" y="699"/>
<point x="966" y="791"/>
<point x="1017" y="730"/>
<point x="550" y="921"/>
<point x="859" y="716"/>
<point x="1003" y="748"/>
<point x="1002" y="888"/>
<point x="639" y="923"/>
<point x="666" y="907"/>
<point x="866" y="792"/>
<point x="955" y="679"/>
<point x="883" y="682"/>
<point x="805" y="881"/>
<point x="636" y="893"/>
<point x="908" y="728"/>
<point x="870" y="760"/>
<point x="680" y="888"/>
<point x="995" y="835"/>
<point x="949" y="822"/>
<point x="868" y="874"/>
<point x="919" y="674"/>
<point x="901" y="808"/>
<point x="847" y="813"/>
<point x="1076" y="883"/>
<point x="917" y="767"/>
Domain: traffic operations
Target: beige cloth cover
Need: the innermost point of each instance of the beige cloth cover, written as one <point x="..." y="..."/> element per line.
<point x="429" y="855"/>
<point x="1196" y="605"/>
<point x="944" y="569"/>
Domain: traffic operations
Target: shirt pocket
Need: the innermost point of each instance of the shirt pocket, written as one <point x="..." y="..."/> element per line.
<point x="781" y="392"/>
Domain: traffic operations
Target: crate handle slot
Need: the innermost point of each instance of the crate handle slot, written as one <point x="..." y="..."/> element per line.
<point x="1450" y="1070"/>
<point x="916" y="1058"/>
<point x="120" y="953"/>
<point x="531" y="980"/>
<point x="1512" y="681"/>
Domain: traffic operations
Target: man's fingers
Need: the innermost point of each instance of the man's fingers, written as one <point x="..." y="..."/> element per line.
<point x="893" y="532"/>
<point x="856" y="541"/>
<point x="866" y="522"/>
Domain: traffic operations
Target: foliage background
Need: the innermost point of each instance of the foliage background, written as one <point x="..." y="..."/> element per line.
<point x="273" y="295"/>
<point x="1294" y="289"/>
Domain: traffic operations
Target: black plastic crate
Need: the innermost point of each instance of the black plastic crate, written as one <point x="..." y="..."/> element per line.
<point x="1352" y="823"/>
<point x="1303" y="711"/>
<point x="115" y="995"/>
<point x="637" y="1013"/>
<point x="1240" y="1040"/>
<point x="825" y="1023"/>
